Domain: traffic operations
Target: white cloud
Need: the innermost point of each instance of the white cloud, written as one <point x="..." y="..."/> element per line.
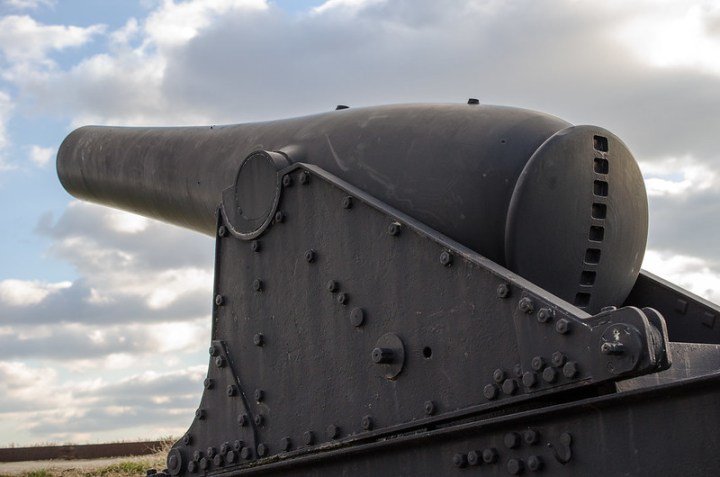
<point x="6" y="107"/>
<point x="41" y="156"/>
<point x="678" y="177"/>
<point x="350" y="7"/>
<point x="29" y="4"/>
<point x="692" y="273"/>
<point x="24" y="40"/>
<point x="25" y="293"/>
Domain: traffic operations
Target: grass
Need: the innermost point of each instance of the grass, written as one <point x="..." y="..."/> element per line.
<point x="121" y="467"/>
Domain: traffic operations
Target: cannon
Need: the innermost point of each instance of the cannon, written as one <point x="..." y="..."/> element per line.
<point x="446" y="289"/>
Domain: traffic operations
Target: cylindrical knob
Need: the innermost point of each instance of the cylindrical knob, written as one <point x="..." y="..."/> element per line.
<point x="383" y="355"/>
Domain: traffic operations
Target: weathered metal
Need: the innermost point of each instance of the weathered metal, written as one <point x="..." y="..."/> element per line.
<point x="419" y="290"/>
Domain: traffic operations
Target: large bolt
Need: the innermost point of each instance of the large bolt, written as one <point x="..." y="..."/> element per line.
<point x="214" y="350"/>
<point x="347" y="202"/>
<point x="200" y="414"/>
<point x="383" y="355"/>
<point x="225" y="448"/>
<point x="231" y="457"/>
<point x="305" y="177"/>
<point x="259" y="395"/>
<point x="208" y="383"/>
<point x="474" y="458"/>
<point x="512" y="440"/>
<point x="262" y="449"/>
<point x="211" y="451"/>
<point x="204" y="463"/>
<point x="515" y="466"/>
<point x="218" y="460"/>
<point x="259" y="339"/>
<point x="192" y="467"/>
<point x="287" y="180"/>
<point x="545" y="315"/>
<point x="537" y="363"/>
<point x="220" y="362"/>
<point x="238" y="445"/>
<point x="534" y="463"/>
<point x="187" y="439"/>
<point x="286" y="443"/>
<point x="530" y="379"/>
<point x="367" y="422"/>
<point x="246" y="453"/>
<point x="231" y="390"/>
<point x="222" y="231"/>
<point x="279" y="217"/>
<point x="257" y="285"/>
<point x="308" y="437"/>
<point x="394" y="229"/>
<point x="255" y="246"/>
<point x="498" y="376"/>
<point x="342" y="298"/>
<point x="219" y="300"/>
<point x="526" y="305"/>
<point x="531" y="436"/>
<point x="430" y="408"/>
<point x="558" y="359"/>
<point x="549" y="375"/>
<point x="310" y="256"/>
<point x="490" y="456"/>
<point x="562" y="326"/>
<point x="332" y="431"/>
<point x="332" y="286"/>
<point x="242" y="419"/>
<point x="259" y="419"/>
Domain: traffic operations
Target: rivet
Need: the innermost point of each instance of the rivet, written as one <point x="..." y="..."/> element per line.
<point x="530" y="379"/>
<point x="308" y="437"/>
<point x="558" y="359"/>
<point x="218" y="460"/>
<point x="515" y="466"/>
<point x="342" y="298"/>
<point x="222" y="231"/>
<point x="220" y="362"/>
<point x="231" y="390"/>
<point x="332" y="286"/>
<point x="238" y="445"/>
<point x="246" y="453"/>
<point x="211" y="451"/>
<point x="544" y="315"/>
<point x="394" y="229"/>
<point x="531" y="436"/>
<point x="549" y="375"/>
<point x="255" y="246"/>
<point x="347" y="202"/>
<point x="510" y="386"/>
<point x="192" y="467"/>
<point x="570" y="369"/>
<point x="231" y="457"/>
<point x="534" y="463"/>
<point x="526" y="305"/>
<point x="262" y="449"/>
<point x="259" y="419"/>
<point x="367" y="422"/>
<point x="562" y="326"/>
<point x="242" y="419"/>
<point x="187" y="439"/>
<point x="332" y="431"/>
<point x="200" y="414"/>
<point x="310" y="256"/>
<point x="286" y="443"/>
<point x="446" y="258"/>
<point x="490" y="456"/>
<point x="259" y="339"/>
<point x="213" y="350"/>
<point x="512" y="440"/>
<point x="474" y="458"/>
<point x="197" y="455"/>
<point x="259" y="395"/>
<point x="357" y="317"/>
<point x="537" y="363"/>
<point x="208" y="383"/>
<point x="219" y="300"/>
<point x="204" y="463"/>
<point x="287" y="180"/>
<point x="257" y="284"/>
<point x="429" y="407"/>
<point x="304" y="177"/>
<point x="279" y="217"/>
<point x="517" y="370"/>
<point x="490" y="391"/>
<point x="503" y="290"/>
<point x="459" y="460"/>
<point x="498" y="376"/>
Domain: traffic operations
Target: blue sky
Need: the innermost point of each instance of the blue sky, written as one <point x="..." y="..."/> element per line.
<point x="98" y="308"/>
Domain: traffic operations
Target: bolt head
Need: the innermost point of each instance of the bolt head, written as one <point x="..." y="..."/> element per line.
<point x="347" y="202"/>
<point x="490" y="456"/>
<point x="262" y="450"/>
<point x="279" y="217"/>
<point x="200" y="414"/>
<point x="220" y="362"/>
<point x="218" y="460"/>
<point x="257" y="284"/>
<point x="549" y="375"/>
<point x="192" y="467"/>
<point x="242" y="419"/>
<point x="211" y="451"/>
<point x="332" y="286"/>
<point x="246" y="453"/>
<point x="222" y="231"/>
<point x="526" y="305"/>
<point x="544" y="315"/>
<point x="503" y="290"/>
<point x="512" y="440"/>
<point x="537" y="363"/>
<point x="515" y="466"/>
<point x="305" y="177"/>
<point x="530" y="379"/>
<point x="231" y="390"/>
<point x="429" y="408"/>
<point x="446" y="258"/>
<point x="473" y="458"/>
<point x="308" y="437"/>
<point x="213" y="350"/>
<point x="531" y="436"/>
<point x="259" y="339"/>
<point x="237" y="445"/>
<point x="187" y="439"/>
<point x="367" y="423"/>
<point x="285" y="443"/>
<point x="255" y="246"/>
<point x="208" y="383"/>
<point x="534" y="463"/>
<point x="510" y="386"/>
<point x="225" y="447"/>
<point x="498" y="376"/>
<point x="332" y="431"/>
<point x="310" y="256"/>
<point x="490" y="391"/>
<point x="204" y="463"/>
<point x="460" y="460"/>
<point x="570" y="370"/>
<point x="558" y="359"/>
<point x="259" y="395"/>
<point x="259" y="420"/>
<point x="287" y="180"/>
<point x="562" y="326"/>
<point x="197" y="455"/>
<point x="342" y="298"/>
<point x="231" y="457"/>
<point x="394" y="229"/>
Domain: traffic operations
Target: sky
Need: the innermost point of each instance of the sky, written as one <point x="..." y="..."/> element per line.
<point x="105" y="316"/>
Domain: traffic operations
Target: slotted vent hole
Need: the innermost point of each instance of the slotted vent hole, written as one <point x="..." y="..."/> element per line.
<point x="599" y="211"/>
<point x="592" y="256"/>
<point x="600" y="188"/>
<point x="600" y="143"/>
<point x="597" y="233"/>
<point x="587" y="278"/>
<point x="582" y="299"/>
<point x="601" y="166"/>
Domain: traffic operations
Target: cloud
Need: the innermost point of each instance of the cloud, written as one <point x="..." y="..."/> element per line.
<point x="41" y="156"/>
<point x="6" y="107"/>
<point x="28" y="4"/>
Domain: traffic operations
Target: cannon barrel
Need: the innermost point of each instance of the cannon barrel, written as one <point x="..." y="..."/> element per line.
<point x="563" y="206"/>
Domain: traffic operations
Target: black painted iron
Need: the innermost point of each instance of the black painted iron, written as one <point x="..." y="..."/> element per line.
<point x="417" y="290"/>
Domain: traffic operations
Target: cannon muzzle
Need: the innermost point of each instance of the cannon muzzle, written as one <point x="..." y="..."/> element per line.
<point x="563" y="206"/>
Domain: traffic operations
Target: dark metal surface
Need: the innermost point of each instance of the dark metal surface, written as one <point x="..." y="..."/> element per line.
<point x="577" y="228"/>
